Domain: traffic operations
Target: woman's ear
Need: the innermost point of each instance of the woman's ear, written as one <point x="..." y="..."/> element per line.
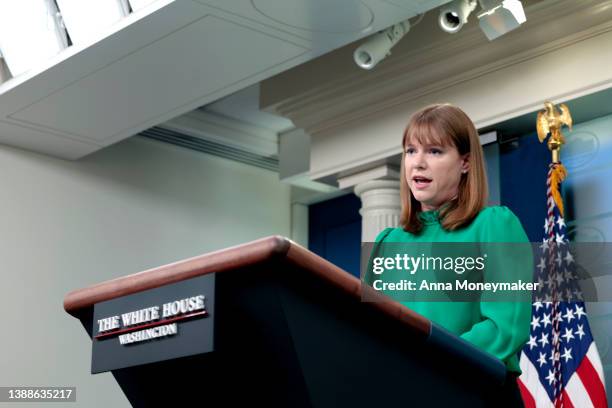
<point x="465" y="163"/>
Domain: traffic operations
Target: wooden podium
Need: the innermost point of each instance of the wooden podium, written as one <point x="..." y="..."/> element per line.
<point x="290" y="329"/>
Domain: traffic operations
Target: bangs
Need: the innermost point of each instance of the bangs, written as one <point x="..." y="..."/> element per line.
<point x="425" y="132"/>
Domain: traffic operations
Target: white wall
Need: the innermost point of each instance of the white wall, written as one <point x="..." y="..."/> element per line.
<point x="135" y="205"/>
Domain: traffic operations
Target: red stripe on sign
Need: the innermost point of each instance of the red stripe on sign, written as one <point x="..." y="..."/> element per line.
<point x="528" y="399"/>
<point x="152" y="324"/>
<point x="567" y="401"/>
<point x="592" y="383"/>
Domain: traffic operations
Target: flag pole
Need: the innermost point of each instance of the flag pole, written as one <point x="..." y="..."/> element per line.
<point x="551" y="378"/>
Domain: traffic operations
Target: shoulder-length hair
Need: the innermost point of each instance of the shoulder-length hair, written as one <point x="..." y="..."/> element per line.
<point x="446" y="125"/>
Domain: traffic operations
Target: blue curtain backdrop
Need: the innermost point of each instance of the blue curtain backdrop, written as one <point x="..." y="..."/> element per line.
<point x="523" y="168"/>
<point x="335" y="231"/>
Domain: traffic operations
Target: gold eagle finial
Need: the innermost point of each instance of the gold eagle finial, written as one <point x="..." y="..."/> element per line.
<point x="550" y="120"/>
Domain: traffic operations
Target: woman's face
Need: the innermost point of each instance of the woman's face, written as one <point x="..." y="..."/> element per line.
<point x="433" y="172"/>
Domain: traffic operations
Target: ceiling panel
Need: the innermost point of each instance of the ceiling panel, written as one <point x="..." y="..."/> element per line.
<point x="44" y="142"/>
<point x="417" y="6"/>
<point x="341" y="16"/>
<point x="129" y="91"/>
<point x="327" y="24"/>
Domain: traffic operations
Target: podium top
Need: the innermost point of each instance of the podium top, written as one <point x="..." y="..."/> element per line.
<point x="79" y="303"/>
<point x="239" y="257"/>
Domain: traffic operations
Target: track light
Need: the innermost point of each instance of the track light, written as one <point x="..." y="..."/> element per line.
<point x="378" y="46"/>
<point x="500" y="17"/>
<point x="455" y="14"/>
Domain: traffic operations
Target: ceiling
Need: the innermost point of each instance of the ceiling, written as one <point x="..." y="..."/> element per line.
<point x="173" y="57"/>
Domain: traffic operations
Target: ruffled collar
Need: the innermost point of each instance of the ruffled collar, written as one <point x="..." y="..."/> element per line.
<point x="430" y="217"/>
<point x="433" y="216"/>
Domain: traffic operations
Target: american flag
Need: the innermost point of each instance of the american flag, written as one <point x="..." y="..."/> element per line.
<point x="560" y="363"/>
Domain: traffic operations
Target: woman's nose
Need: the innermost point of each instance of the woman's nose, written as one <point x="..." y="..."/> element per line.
<point x="418" y="161"/>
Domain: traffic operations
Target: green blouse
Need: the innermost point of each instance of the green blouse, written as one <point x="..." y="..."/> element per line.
<point x="499" y="328"/>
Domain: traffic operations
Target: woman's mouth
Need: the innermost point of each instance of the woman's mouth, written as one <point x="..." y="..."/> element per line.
<point x="421" y="182"/>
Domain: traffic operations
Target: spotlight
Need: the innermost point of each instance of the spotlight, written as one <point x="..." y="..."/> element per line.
<point x="378" y="46"/>
<point x="455" y="14"/>
<point x="501" y="17"/>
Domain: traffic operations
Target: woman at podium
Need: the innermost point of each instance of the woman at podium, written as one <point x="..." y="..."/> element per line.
<point x="443" y="198"/>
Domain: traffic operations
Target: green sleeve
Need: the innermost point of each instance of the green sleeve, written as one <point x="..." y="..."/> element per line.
<point x="383" y="234"/>
<point x="504" y="326"/>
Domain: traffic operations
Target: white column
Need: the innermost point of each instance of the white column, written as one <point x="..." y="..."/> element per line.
<point x="380" y="206"/>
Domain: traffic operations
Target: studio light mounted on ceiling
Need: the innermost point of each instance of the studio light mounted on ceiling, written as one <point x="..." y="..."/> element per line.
<point x="496" y="17"/>
<point x="500" y="17"/>
<point x="455" y="14"/>
<point x="378" y="46"/>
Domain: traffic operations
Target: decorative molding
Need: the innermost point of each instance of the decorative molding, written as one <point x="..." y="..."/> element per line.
<point x="220" y="129"/>
<point x="383" y="172"/>
<point x="331" y="173"/>
<point x="304" y="181"/>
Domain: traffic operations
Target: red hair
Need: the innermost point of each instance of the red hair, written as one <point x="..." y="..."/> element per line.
<point x="446" y="125"/>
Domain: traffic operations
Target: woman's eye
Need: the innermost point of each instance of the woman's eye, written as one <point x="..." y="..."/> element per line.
<point x="435" y="151"/>
<point x="409" y="150"/>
